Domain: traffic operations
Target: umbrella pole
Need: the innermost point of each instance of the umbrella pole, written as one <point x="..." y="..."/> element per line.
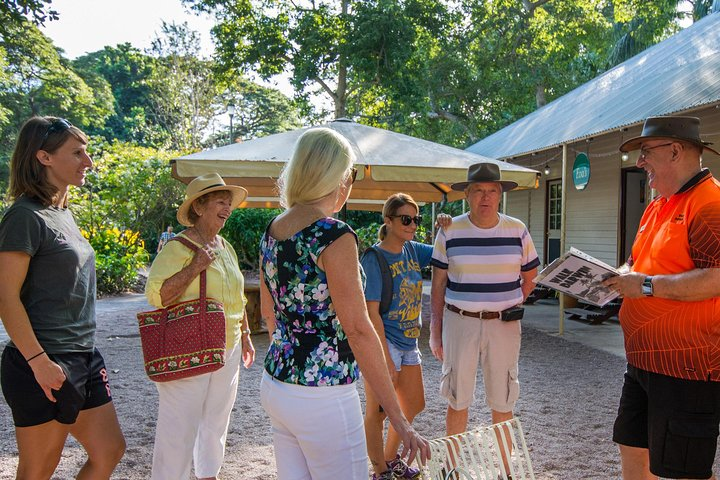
<point x="433" y="218"/>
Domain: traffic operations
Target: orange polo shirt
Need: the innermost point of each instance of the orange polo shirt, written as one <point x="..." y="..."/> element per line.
<point x="682" y="233"/>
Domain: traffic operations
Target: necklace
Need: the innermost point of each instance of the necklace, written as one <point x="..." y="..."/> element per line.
<point x="203" y="239"/>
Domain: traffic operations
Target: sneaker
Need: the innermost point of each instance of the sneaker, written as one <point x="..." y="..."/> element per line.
<point x="402" y="469"/>
<point x="386" y="475"/>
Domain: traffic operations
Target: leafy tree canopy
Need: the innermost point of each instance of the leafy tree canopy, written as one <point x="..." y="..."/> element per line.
<point x="449" y="71"/>
<point x="16" y="12"/>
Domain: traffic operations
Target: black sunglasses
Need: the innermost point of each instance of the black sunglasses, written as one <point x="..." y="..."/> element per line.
<point x="56" y="126"/>
<point x="407" y="219"/>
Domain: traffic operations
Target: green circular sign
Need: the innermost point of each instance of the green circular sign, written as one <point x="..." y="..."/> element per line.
<point x="581" y="171"/>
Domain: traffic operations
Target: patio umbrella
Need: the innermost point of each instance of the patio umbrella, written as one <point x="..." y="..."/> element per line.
<point x="388" y="162"/>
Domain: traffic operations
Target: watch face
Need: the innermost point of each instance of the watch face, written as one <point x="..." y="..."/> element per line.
<point x="647" y="287"/>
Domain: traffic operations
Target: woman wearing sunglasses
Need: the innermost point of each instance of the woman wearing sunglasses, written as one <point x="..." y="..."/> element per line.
<point x="399" y="326"/>
<point x="53" y="377"/>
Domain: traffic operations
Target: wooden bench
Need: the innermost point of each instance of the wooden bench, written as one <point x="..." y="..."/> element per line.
<point x="594" y="315"/>
<point x="538" y="293"/>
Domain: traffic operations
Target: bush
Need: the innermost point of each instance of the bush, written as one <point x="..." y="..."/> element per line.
<point x="367" y="236"/>
<point x="118" y="256"/>
<point x="244" y="229"/>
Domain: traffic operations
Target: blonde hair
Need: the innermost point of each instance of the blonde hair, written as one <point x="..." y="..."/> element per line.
<point x="394" y="203"/>
<point x="27" y="175"/>
<point x="321" y="161"/>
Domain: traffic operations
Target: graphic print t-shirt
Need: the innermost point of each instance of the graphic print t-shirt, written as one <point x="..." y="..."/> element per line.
<point x="402" y="322"/>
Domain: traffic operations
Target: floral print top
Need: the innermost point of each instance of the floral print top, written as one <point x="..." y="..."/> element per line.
<point x="308" y="345"/>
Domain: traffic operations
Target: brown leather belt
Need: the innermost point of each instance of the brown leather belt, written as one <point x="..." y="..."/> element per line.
<point x="484" y="314"/>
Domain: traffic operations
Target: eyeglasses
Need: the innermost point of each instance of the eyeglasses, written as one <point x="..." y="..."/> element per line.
<point x="353" y="174"/>
<point x="644" y="151"/>
<point x="407" y="219"/>
<point x="56" y="126"/>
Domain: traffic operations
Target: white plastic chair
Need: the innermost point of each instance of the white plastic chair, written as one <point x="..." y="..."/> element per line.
<point x="476" y="455"/>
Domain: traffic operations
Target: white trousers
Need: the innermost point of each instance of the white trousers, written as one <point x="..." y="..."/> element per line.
<point x="318" y="432"/>
<point x="193" y="419"/>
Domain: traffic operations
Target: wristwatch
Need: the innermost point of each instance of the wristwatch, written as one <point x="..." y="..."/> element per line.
<point x="647" y="286"/>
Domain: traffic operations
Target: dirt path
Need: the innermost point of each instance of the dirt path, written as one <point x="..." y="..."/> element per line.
<point x="567" y="405"/>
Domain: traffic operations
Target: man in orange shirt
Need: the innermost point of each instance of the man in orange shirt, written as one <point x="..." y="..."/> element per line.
<point x="669" y="413"/>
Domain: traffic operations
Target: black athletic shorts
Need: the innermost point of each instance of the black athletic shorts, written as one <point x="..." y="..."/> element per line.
<point x="676" y="419"/>
<point x="85" y="387"/>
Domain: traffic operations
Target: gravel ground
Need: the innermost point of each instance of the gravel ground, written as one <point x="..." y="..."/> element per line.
<point x="567" y="405"/>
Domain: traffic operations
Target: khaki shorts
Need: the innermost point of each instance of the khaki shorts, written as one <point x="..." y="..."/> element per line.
<point x="496" y="344"/>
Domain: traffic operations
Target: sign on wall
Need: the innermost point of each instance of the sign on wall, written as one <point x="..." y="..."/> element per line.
<point x="581" y="171"/>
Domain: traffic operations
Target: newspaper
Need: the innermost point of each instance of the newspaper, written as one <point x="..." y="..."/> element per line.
<point x="578" y="274"/>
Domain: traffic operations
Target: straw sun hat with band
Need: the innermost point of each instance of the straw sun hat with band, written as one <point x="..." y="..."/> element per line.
<point x="204" y="184"/>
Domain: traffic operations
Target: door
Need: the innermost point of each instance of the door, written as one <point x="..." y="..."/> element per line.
<point x="634" y="201"/>
<point x="553" y="220"/>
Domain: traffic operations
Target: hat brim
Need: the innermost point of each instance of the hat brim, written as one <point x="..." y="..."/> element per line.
<point x="506" y="185"/>
<point x="636" y="142"/>
<point x="238" y="195"/>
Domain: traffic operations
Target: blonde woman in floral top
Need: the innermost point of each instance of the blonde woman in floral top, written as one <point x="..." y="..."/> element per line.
<point x="194" y="412"/>
<point x="321" y="334"/>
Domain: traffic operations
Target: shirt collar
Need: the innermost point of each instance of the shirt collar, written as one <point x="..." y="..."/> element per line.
<point x="697" y="178"/>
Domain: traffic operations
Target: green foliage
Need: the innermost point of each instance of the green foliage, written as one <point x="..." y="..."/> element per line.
<point x="118" y="256"/>
<point x="130" y="187"/>
<point x="38" y="80"/>
<point x="44" y="83"/>
<point x="182" y="87"/>
<point x="447" y="71"/>
<point x="129" y="72"/>
<point x="244" y="229"/>
<point x="14" y="12"/>
<point x="259" y="111"/>
<point x="367" y="236"/>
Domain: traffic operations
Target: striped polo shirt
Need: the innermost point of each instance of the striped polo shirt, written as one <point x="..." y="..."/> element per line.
<point x="484" y="264"/>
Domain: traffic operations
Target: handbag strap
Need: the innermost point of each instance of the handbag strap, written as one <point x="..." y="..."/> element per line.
<point x="203" y="275"/>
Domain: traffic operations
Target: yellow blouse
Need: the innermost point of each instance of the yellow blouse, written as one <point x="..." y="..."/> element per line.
<point x="225" y="283"/>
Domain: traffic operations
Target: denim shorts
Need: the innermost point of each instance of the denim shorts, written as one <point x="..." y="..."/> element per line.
<point x="86" y="386"/>
<point x="404" y="357"/>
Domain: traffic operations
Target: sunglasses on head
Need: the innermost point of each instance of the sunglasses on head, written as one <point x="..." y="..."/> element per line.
<point x="56" y="126"/>
<point x="407" y="219"/>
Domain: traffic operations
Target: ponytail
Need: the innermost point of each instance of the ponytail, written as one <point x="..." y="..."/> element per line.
<point x="382" y="232"/>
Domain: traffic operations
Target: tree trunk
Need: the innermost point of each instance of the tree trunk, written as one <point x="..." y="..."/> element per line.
<point x="341" y="91"/>
<point x="540" y="99"/>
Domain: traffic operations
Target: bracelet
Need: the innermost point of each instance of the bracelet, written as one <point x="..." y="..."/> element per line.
<point x="35" y="356"/>
<point x="246" y="331"/>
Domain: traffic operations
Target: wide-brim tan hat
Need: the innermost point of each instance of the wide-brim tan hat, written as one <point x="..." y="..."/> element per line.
<point x="484" y="172"/>
<point x="672" y="128"/>
<point x="202" y="185"/>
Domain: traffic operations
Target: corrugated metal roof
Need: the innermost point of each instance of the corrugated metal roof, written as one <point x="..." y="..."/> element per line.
<point x="677" y="74"/>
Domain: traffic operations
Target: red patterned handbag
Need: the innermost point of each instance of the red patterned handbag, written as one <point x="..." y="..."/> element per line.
<point x="185" y="339"/>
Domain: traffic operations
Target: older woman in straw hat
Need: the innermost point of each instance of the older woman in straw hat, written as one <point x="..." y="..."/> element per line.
<point x="194" y="412"/>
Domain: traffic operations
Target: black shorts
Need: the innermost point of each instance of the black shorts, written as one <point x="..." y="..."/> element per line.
<point x="86" y="386"/>
<point x="678" y="422"/>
